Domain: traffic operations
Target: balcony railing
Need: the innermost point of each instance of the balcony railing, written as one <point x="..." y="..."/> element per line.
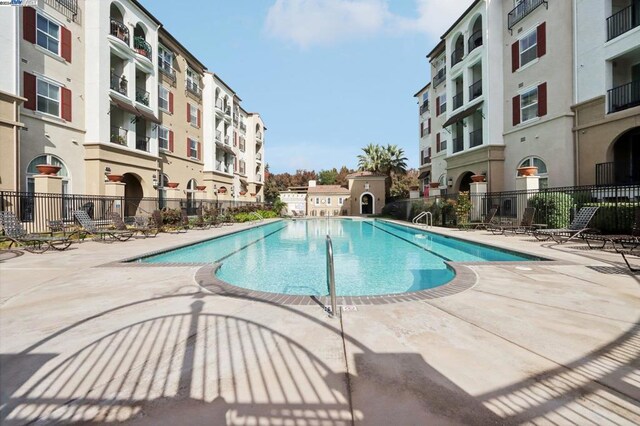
<point x="617" y="173"/>
<point x="236" y="116"/>
<point x="457" y="100"/>
<point x="243" y="127"/>
<point x="458" y="144"/>
<point x="475" y="40"/>
<point x="426" y="160"/>
<point x="119" y="30"/>
<point x="242" y="145"/>
<point x="443" y="107"/>
<point x="227" y="140"/>
<point x="69" y="8"/>
<point x="523" y="8"/>
<point x="475" y="90"/>
<point x="259" y="135"/>
<point x="194" y="88"/>
<point x="457" y="55"/>
<point x="439" y="77"/>
<point x="623" y="21"/>
<point x="475" y="138"/>
<point x="118" y="135"/>
<point x="219" y="104"/>
<point x="142" y="96"/>
<point x="258" y="157"/>
<point x="218" y="136"/>
<point x="424" y="107"/>
<point x="142" y="47"/>
<point x="142" y="143"/>
<point x="119" y="83"/>
<point x="227" y="110"/>
<point x="167" y="70"/>
<point x="258" y="178"/>
<point x="222" y="167"/>
<point x="624" y="97"/>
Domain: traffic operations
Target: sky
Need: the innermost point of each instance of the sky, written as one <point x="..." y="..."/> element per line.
<point x="328" y="77"/>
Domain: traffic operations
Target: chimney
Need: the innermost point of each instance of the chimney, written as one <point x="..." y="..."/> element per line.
<point x="312" y="184"/>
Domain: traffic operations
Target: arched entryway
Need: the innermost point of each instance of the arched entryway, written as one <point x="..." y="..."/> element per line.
<point x="626" y="157"/>
<point x="132" y="193"/>
<point x="367" y="205"/>
<point x="465" y="182"/>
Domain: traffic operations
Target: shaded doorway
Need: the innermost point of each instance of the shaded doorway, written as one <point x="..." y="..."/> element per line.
<point x="132" y="194"/>
<point x="366" y="204"/>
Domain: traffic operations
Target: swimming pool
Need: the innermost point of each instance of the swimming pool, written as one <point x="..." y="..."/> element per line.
<point x="372" y="257"/>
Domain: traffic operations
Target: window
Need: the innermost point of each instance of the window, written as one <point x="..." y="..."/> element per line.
<point x="328" y="201"/>
<point x="165" y="59"/>
<point x="442" y="102"/>
<point x="163" y="98"/>
<point x="192" y="80"/>
<point x="542" y="169"/>
<point x="528" y="48"/>
<point x="317" y="201"/>
<point x="193" y="115"/>
<point x="340" y="200"/>
<point x="48" y="98"/>
<point x="163" y="138"/>
<point x="47" y="159"/>
<point x="529" y="105"/>
<point x="193" y="148"/>
<point x="47" y="34"/>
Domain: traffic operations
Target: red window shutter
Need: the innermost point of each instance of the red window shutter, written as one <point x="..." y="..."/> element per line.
<point x="429" y="126"/>
<point x="438" y="106"/>
<point x="199" y="151"/>
<point x="171" y="102"/>
<point x="198" y="118"/>
<point x="516" y="110"/>
<point x="171" y="140"/>
<point x="188" y="148"/>
<point x="437" y="142"/>
<point x="515" y="56"/>
<point x="29" y="24"/>
<point x="542" y="100"/>
<point x="542" y="39"/>
<point x="29" y="81"/>
<point x="66" y="104"/>
<point x="65" y="44"/>
<point x="188" y="113"/>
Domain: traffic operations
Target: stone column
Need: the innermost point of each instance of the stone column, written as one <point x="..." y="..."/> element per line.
<point x="116" y="190"/>
<point x="477" y="192"/>
<point x="527" y="187"/>
<point x="49" y="208"/>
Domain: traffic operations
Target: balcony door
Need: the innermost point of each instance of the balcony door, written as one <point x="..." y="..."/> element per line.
<point x="626" y="157"/>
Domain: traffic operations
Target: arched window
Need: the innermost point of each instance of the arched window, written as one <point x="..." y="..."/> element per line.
<point x="542" y="169"/>
<point x="54" y="161"/>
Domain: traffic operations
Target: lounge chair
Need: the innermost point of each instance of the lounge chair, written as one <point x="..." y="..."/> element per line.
<point x="617" y="240"/>
<point x="488" y="221"/>
<point x="100" y="234"/>
<point x="119" y="224"/>
<point x="526" y="224"/>
<point x="146" y="226"/>
<point x="33" y="243"/>
<point x="578" y="226"/>
<point x="625" y="252"/>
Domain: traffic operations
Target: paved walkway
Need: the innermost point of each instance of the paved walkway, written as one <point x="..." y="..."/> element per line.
<point x="553" y="343"/>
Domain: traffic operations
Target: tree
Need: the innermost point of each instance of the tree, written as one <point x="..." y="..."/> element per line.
<point x="389" y="160"/>
<point x="403" y="183"/>
<point x="373" y="159"/>
<point x="328" y="177"/>
<point x="341" y="178"/>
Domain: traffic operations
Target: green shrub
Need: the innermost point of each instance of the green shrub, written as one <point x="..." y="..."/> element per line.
<point x="554" y="209"/>
<point x="614" y="218"/>
<point x="171" y="216"/>
<point x="248" y="217"/>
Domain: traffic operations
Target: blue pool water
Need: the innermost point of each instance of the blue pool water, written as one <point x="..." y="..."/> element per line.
<point x="371" y="257"/>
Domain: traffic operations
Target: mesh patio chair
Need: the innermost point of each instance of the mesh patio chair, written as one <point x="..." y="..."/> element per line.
<point x="578" y="226"/>
<point x="147" y="226"/>
<point x="485" y="224"/>
<point x="119" y="224"/>
<point x="100" y="234"/>
<point x="525" y="226"/>
<point x="616" y="240"/>
<point x="31" y="242"/>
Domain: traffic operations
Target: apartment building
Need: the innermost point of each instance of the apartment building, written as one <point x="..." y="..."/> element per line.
<point x="100" y="88"/>
<point x="607" y="92"/>
<point x="437" y="136"/>
<point x="424" y="129"/>
<point x="255" y="159"/>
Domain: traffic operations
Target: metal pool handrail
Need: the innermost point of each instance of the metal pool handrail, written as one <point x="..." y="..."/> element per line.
<point x="428" y="219"/>
<point x="331" y="279"/>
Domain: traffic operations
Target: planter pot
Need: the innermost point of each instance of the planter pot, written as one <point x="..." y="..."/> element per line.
<point x="527" y="171"/>
<point x="173" y="184"/>
<point x="222" y="191"/>
<point x="253" y="194"/>
<point x="434" y="185"/>
<point x="114" y="178"/>
<point x="48" y="169"/>
<point x="477" y="178"/>
<point x="243" y="192"/>
<point x="201" y="187"/>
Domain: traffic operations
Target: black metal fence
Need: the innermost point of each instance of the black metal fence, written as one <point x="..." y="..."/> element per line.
<point x="555" y="207"/>
<point x="35" y="210"/>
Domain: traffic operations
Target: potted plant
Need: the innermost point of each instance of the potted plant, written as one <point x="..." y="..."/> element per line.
<point x="201" y="187"/>
<point x="434" y="185"/>
<point x="173" y="184"/>
<point x="48" y="169"/>
<point x="527" y="171"/>
<point x="114" y="178"/>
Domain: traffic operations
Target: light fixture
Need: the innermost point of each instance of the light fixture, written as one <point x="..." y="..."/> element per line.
<point x="107" y="171"/>
<point x="450" y="181"/>
<point x="154" y="180"/>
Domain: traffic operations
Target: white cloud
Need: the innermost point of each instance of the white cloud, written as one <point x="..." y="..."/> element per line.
<point x="320" y="22"/>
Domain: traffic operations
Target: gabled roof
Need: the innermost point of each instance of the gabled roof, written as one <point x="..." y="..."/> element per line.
<point x="328" y="189"/>
<point x="364" y="174"/>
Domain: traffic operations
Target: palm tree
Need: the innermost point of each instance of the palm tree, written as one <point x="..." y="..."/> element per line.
<point x="373" y="159"/>
<point x="389" y="160"/>
<point x="397" y="162"/>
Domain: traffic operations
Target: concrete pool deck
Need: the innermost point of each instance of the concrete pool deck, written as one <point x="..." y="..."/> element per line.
<point x="87" y="340"/>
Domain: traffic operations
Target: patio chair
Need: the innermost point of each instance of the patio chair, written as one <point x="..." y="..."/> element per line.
<point x="623" y="240"/>
<point x="100" y="234"/>
<point x="578" y="226"/>
<point x="624" y="252"/>
<point x="119" y="224"/>
<point x="146" y="226"/>
<point x="33" y="243"/>
<point x="488" y="221"/>
<point x="526" y="224"/>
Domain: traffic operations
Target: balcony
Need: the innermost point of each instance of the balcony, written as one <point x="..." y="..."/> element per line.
<point x="617" y="173"/>
<point x="142" y="97"/>
<point x="475" y="90"/>
<point x="69" y="8"/>
<point x="440" y="76"/>
<point x="218" y="136"/>
<point x="426" y="160"/>
<point x="458" y="144"/>
<point x="142" y="143"/>
<point x="236" y="116"/>
<point x="227" y="140"/>
<point x="141" y="47"/>
<point x="457" y="100"/>
<point x="242" y="144"/>
<point x="457" y="55"/>
<point x="523" y="8"/>
<point x="475" y="41"/>
<point x="258" y="135"/>
<point x="119" y="83"/>
<point x="222" y="167"/>
<point x="119" y="30"/>
<point x="243" y="128"/>
<point x="118" y="135"/>
<point x="424" y="107"/>
<point x="624" y="97"/>
<point x="622" y="21"/>
<point x="227" y="111"/>
<point x="258" y="178"/>
<point x="168" y="71"/>
<point x="219" y="105"/>
<point x="194" y="89"/>
<point x="259" y="157"/>
<point x="475" y="138"/>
